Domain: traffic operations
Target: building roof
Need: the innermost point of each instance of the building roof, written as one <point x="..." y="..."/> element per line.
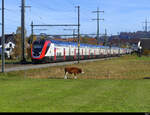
<point x="8" y="38"/>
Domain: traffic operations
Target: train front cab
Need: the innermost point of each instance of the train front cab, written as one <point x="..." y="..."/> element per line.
<point x="39" y="50"/>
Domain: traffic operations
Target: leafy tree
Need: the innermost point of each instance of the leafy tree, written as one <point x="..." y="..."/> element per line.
<point x="17" y="51"/>
<point x="30" y="40"/>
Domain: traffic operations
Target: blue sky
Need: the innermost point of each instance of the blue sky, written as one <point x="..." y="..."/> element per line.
<point x="120" y="15"/>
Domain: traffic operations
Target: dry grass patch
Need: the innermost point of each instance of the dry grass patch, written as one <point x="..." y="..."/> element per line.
<point x="126" y="67"/>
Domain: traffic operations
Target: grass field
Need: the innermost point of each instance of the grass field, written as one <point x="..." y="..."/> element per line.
<point x="115" y="85"/>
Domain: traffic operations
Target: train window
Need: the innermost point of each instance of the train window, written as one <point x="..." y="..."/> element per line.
<point x="37" y="46"/>
<point x="58" y="53"/>
<point x="48" y="46"/>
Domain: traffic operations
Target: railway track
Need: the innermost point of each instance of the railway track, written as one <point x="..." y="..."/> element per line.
<point x="20" y="67"/>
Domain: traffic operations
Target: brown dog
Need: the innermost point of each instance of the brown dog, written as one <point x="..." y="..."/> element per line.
<point x="72" y="70"/>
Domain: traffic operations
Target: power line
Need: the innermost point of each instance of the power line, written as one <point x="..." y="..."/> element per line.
<point x="47" y="6"/>
<point x="49" y="25"/>
<point x="40" y="25"/>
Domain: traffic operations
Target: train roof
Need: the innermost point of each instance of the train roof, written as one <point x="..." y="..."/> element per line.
<point x="75" y="44"/>
<point x="64" y="43"/>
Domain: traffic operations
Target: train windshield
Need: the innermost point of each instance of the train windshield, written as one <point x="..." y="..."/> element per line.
<point x="38" y="45"/>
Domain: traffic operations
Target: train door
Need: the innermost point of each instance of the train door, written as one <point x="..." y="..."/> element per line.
<point x="86" y="52"/>
<point x="64" y="54"/>
<point x="89" y="52"/>
<point x="94" y="53"/>
<point x="82" y="55"/>
<point x="75" y="55"/>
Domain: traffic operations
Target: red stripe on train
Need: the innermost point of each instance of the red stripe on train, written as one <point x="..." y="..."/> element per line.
<point x="43" y="51"/>
<point x="55" y="54"/>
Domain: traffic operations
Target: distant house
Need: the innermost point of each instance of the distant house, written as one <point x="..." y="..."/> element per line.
<point x="8" y="49"/>
<point x="145" y="43"/>
<point x="9" y="44"/>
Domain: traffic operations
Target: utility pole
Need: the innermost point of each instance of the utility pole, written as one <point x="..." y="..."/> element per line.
<point x="119" y="40"/>
<point x="31" y="40"/>
<point x="146" y="25"/>
<point x="98" y="24"/>
<point x="78" y="33"/>
<point x="32" y="31"/>
<point x="3" y="39"/>
<point x="23" y="59"/>
<point x="105" y="38"/>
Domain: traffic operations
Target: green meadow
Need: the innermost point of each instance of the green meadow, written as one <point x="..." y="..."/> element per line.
<point x="115" y="85"/>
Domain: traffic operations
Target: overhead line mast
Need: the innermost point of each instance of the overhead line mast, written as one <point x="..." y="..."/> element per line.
<point x="3" y="39"/>
<point x="98" y="24"/>
<point x="78" y="7"/>
<point x="146" y="25"/>
<point x="23" y="59"/>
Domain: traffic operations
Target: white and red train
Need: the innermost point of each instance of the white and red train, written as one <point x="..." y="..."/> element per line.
<point x="49" y="50"/>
